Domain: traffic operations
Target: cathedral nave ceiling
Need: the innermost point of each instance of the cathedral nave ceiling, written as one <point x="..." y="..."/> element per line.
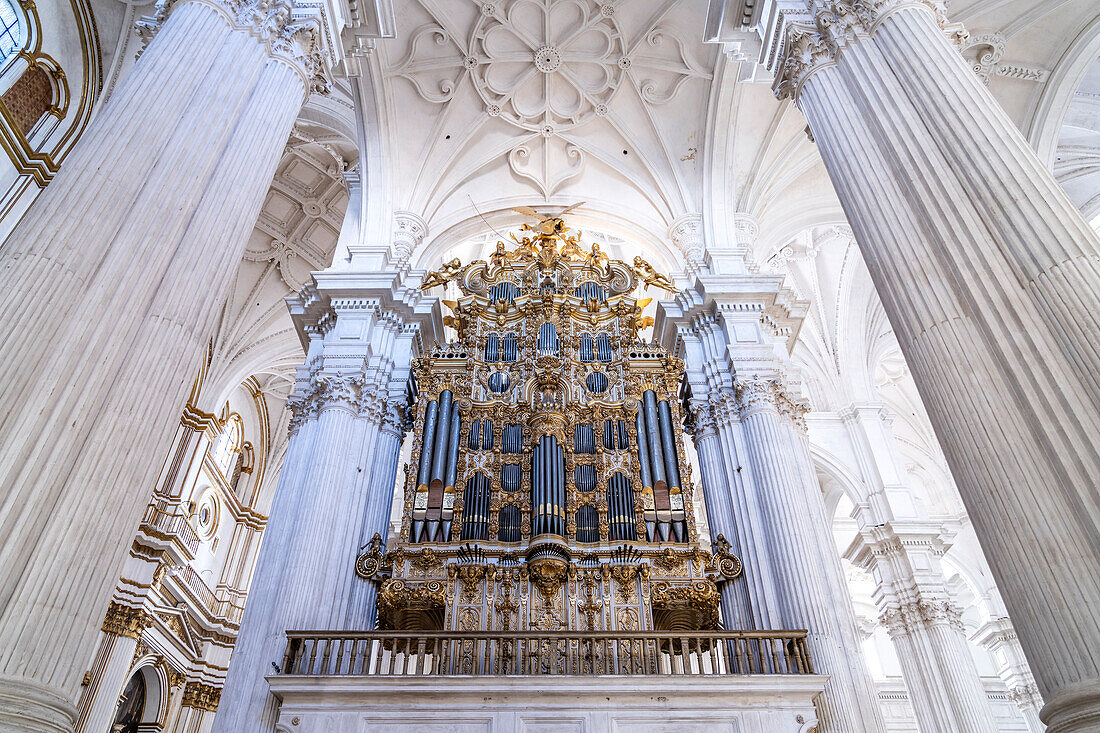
<point x="528" y="101"/>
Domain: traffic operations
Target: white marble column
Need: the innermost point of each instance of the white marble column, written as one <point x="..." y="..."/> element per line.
<point x="757" y="473"/>
<point x="722" y="512"/>
<point x="337" y="484"/>
<point x="940" y="675"/>
<point x="804" y="560"/>
<point x="991" y="280"/>
<point x="112" y="282"/>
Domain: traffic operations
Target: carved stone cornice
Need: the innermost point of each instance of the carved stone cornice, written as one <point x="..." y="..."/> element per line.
<point x="805" y="42"/>
<point x="201" y="696"/>
<point x="295" y="41"/>
<point x="126" y="621"/>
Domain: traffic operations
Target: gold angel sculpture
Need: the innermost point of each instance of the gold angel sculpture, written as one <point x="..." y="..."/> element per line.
<point x="651" y="277"/>
<point x="598" y="261"/>
<point x="444" y="275"/>
<point x="549" y="224"/>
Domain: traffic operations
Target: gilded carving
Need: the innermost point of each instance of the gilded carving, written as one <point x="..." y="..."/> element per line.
<point x="126" y="621"/>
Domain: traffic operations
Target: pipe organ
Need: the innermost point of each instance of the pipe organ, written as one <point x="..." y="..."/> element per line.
<point x="548" y="486"/>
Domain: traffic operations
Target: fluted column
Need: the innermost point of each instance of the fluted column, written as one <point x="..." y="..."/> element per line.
<point x="991" y="281"/>
<point x="112" y="283"/>
<point x="305" y="571"/>
<point x="940" y="675"/>
<point x="336" y="487"/>
<point x="718" y="498"/>
<point x="805" y="565"/>
<point x="998" y="636"/>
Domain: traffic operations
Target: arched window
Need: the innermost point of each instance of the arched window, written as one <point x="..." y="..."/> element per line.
<point x="226" y="451"/>
<point x="12" y="32"/>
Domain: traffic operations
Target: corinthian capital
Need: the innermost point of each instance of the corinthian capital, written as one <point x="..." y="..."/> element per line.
<point x="804" y="42"/>
<point x="343" y="391"/>
<point x="292" y="35"/>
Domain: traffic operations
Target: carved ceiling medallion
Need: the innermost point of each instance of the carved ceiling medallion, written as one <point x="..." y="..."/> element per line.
<point x="547" y="66"/>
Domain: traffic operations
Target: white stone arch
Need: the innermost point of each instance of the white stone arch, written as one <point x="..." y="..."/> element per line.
<point x="828" y="464"/>
<point x="153" y="673"/>
<point x="1044" y="127"/>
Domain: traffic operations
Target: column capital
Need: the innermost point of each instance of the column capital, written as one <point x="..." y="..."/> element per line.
<point x="759" y="393"/>
<point x="802" y="37"/>
<point x="901" y="619"/>
<point x="298" y="35"/>
<point x="126" y="621"/>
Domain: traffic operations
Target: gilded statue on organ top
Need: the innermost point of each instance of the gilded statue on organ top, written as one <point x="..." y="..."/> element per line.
<point x="548" y="487"/>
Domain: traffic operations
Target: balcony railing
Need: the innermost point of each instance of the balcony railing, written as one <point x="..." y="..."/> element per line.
<point x="373" y="653"/>
<point x="161" y="521"/>
<point x="219" y="608"/>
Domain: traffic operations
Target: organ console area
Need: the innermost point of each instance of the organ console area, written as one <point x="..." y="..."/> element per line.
<point x="548" y="487"/>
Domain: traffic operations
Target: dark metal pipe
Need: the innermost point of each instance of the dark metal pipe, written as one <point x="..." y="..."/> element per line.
<point x="428" y="440"/>
<point x="442" y="436"/>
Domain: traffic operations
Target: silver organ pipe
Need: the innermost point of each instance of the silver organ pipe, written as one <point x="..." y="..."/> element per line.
<point x="672" y="469"/>
<point x="451" y="474"/>
<point x="475" y="513"/>
<point x="548" y="340"/>
<point x="584" y="351"/>
<point x="548" y="487"/>
<point x="508" y="350"/>
<point x="492" y="348"/>
<point x="511" y="477"/>
<point x="510" y="524"/>
<point x="487" y="434"/>
<point x="603" y="348"/>
<point x="474" y="441"/>
<point x="512" y="442"/>
<point x="645" y="471"/>
<point x="423" y="475"/>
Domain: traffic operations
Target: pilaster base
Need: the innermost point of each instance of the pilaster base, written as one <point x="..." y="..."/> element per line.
<point x="31" y="708"/>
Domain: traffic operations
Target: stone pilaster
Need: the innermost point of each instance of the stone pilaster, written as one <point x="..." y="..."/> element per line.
<point x="337" y="485"/>
<point x="914" y="606"/>
<point x="998" y="636"/>
<point x="127" y="256"/>
<point x="991" y="279"/>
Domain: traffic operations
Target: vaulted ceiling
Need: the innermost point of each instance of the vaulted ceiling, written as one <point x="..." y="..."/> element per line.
<point x="535" y="101"/>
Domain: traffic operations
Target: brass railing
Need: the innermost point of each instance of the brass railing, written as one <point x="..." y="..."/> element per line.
<point x="373" y="653"/>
